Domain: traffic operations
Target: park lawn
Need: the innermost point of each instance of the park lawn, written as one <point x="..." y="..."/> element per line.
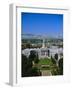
<point x="45" y="61"/>
<point x="46" y="64"/>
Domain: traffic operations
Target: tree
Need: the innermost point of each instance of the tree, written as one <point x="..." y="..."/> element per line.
<point x="26" y="66"/>
<point x="48" y="52"/>
<point x="36" y="60"/>
<point x="28" y="45"/>
<point x="53" y="60"/>
<point x="36" y="71"/>
<point x="55" y="71"/>
<point x="56" y="58"/>
<point x="34" y="56"/>
<point x="61" y="66"/>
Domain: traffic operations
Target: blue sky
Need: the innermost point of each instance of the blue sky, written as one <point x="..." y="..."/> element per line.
<point x="42" y="24"/>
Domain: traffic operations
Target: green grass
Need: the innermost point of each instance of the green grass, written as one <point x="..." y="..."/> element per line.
<point x="47" y="64"/>
<point x="45" y="61"/>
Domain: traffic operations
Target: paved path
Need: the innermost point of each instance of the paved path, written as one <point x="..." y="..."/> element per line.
<point x="46" y="72"/>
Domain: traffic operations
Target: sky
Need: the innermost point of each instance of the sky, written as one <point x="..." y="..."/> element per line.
<point x="42" y="24"/>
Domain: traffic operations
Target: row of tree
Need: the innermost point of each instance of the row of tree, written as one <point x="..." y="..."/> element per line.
<point x="27" y="65"/>
<point x="29" y="68"/>
<point x="59" y="64"/>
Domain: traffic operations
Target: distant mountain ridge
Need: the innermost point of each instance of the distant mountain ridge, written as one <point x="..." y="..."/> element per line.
<point x="33" y="36"/>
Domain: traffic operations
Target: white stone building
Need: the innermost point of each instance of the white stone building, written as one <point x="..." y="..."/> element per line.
<point x="44" y="52"/>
